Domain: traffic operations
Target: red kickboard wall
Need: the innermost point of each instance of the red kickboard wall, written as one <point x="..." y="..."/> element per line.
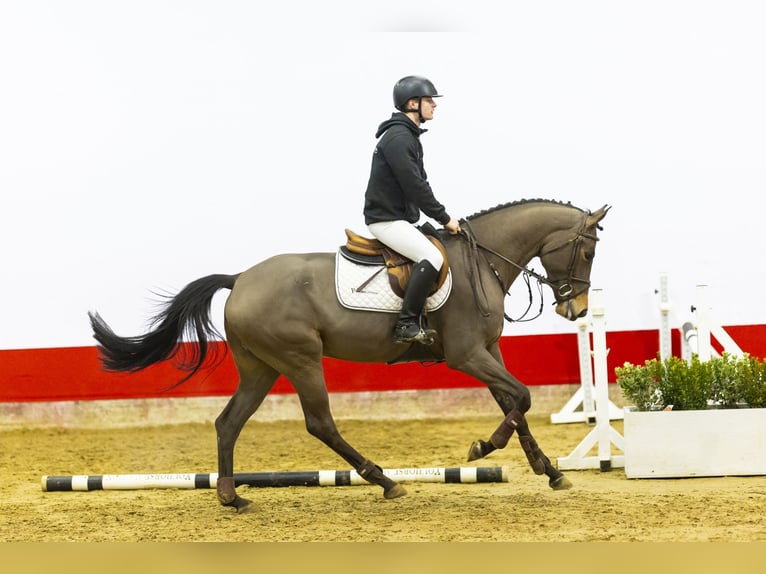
<point x="75" y="373"/>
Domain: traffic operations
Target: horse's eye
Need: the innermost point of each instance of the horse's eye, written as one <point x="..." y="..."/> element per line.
<point x="589" y="255"/>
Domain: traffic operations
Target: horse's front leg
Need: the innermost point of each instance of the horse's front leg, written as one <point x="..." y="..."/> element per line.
<point x="514" y="400"/>
<point x="540" y="463"/>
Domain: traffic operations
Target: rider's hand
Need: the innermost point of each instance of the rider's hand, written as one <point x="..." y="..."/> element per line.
<point x="453" y="226"/>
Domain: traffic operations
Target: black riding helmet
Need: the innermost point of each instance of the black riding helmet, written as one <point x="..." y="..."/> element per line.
<point x="413" y="87"/>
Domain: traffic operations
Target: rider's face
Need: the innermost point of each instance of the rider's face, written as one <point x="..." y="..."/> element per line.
<point x="427" y="107"/>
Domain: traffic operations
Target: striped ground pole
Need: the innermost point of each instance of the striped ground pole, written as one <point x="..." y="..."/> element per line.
<point x="269" y="479"/>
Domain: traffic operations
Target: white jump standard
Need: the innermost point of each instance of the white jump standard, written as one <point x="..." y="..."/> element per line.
<point x="585" y="395"/>
<point x="603" y="434"/>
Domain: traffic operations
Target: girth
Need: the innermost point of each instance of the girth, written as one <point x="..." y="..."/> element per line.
<point x="367" y="251"/>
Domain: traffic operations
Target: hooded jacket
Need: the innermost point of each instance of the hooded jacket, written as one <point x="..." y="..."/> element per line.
<point x="398" y="187"/>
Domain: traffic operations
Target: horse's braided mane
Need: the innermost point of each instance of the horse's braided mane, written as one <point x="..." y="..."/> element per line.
<point x="519" y="202"/>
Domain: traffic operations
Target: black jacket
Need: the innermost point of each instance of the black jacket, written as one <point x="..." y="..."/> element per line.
<point x="398" y="187"/>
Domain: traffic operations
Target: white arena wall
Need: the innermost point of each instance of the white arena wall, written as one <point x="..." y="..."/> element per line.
<point x="144" y="151"/>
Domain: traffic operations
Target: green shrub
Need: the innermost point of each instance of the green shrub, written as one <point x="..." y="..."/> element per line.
<point x="639" y="384"/>
<point x="686" y="386"/>
<point x="752" y="382"/>
<point x="725" y="388"/>
<point x="725" y="382"/>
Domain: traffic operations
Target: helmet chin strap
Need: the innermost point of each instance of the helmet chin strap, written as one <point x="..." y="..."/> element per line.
<point x="418" y="110"/>
<point x="420" y="113"/>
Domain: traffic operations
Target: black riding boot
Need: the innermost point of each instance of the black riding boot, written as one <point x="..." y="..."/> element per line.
<point x="408" y="328"/>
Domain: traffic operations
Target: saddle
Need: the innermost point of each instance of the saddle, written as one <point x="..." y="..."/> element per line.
<point x="366" y="251"/>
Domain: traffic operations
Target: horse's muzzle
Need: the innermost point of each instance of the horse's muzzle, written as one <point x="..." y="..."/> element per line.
<point x="573" y="309"/>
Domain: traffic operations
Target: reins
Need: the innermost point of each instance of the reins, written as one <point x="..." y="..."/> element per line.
<point x="475" y="275"/>
<point x="564" y="290"/>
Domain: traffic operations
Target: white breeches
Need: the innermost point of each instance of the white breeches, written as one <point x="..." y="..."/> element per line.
<point x="405" y="238"/>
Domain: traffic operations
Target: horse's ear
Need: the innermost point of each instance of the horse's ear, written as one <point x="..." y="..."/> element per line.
<point x="598" y="215"/>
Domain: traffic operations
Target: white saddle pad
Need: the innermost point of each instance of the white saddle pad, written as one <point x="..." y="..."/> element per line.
<point x="377" y="295"/>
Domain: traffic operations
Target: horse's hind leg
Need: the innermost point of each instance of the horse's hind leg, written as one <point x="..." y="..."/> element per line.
<point x="309" y="383"/>
<point x="256" y="380"/>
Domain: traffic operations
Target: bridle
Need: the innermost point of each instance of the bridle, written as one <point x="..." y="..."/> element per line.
<point x="563" y="288"/>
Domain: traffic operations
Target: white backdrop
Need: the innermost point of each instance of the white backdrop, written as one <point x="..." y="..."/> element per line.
<point x="144" y="144"/>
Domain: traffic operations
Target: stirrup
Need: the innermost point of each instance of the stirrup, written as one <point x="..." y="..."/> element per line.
<point x="413" y="333"/>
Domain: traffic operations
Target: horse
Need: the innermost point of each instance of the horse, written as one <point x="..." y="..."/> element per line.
<point x="283" y="316"/>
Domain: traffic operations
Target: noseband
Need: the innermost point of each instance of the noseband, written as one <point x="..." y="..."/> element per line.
<point x="563" y="289"/>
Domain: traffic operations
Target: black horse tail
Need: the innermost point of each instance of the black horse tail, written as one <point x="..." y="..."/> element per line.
<point x="185" y="317"/>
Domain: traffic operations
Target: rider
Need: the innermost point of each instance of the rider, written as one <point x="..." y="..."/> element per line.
<point x="398" y="190"/>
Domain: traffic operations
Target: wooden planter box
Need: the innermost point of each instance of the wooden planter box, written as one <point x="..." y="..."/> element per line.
<point x="675" y="444"/>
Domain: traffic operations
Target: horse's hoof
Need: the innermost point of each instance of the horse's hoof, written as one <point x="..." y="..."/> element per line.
<point x="560" y="483"/>
<point x="475" y="453"/>
<point x="245" y="506"/>
<point x="241" y="505"/>
<point x="395" y="492"/>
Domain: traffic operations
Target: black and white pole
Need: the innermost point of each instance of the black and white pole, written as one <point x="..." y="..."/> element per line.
<point x="269" y="479"/>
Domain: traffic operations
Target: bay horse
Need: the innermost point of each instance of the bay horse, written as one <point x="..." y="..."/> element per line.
<point x="282" y="316"/>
